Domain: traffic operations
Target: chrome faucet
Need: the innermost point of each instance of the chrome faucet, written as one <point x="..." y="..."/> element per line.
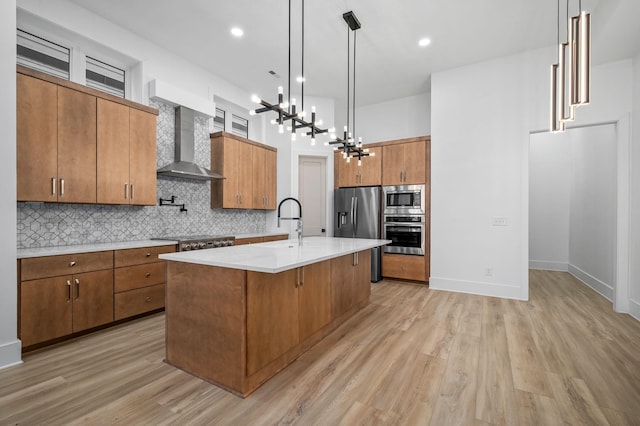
<point x="299" y="218"/>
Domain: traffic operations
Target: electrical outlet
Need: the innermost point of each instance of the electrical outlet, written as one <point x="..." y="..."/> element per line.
<point x="488" y="272"/>
<point x="499" y="221"/>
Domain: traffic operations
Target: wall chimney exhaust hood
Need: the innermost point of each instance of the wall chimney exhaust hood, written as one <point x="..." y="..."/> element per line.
<point x="183" y="165"/>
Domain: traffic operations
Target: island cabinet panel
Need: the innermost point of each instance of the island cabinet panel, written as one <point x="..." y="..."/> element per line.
<point x="350" y="281"/>
<point x="272" y="316"/>
<point x="206" y="323"/>
<point x="314" y="298"/>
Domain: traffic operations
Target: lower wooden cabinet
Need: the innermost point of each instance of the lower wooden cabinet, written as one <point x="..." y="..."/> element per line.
<point x="405" y="267"/>
<point x="350" y="281"/>
<point x="67" y="294"/>
<point x="253" y="240"/>
<point x="58" y="306"/>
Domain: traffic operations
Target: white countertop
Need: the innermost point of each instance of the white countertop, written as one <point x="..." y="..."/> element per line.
<point x="275" y="256"/>
<point x="87" y="248"/>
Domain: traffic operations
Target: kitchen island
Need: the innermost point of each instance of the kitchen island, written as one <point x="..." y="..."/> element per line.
<point x="235" y="316"/>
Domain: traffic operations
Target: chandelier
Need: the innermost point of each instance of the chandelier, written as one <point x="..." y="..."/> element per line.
<point x="287" y="111"/>
<point x="348" y="145"/>
<point x="570" y="77"/>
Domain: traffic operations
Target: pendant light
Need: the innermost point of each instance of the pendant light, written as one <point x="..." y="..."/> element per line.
<point x="287" y="110"/>
<point x="347" y="144"/>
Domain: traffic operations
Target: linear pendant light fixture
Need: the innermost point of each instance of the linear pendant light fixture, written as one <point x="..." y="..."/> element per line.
<point x="286" y="110"/>
<point x="347" y="144"/>
<point x="570" y="77"/>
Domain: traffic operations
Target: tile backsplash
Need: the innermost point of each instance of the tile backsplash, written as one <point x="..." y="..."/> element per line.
<point x="51" y="224"/>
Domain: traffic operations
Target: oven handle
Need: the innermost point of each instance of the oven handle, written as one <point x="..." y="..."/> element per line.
<point x="414" y="224"/>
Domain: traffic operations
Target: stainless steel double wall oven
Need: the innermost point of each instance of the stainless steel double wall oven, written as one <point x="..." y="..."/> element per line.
<point x="405" y="219"/>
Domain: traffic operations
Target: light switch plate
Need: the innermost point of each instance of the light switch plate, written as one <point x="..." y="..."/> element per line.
<point x="499" y="221"/>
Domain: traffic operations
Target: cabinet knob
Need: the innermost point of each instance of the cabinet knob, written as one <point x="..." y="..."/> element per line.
<point x="147" y="299"/>
<point x="148" y="254"/>
<point x="148" y="274"/>
<point x="72" y="263"/>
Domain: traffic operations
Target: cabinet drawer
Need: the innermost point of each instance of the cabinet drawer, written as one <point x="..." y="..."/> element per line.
<point x="132" y="277"/>
<point x="402" y="266"/>
<point x="139" y="256"/>
<point x="65" y="264"/>
<point x="252" y="240"/>
<point x="276" y="237"/>
<point x="139" y="301"/>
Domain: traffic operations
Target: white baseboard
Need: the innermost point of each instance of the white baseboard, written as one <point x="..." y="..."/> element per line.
<point x="476" y="287"/>
<point x="549" y="265"/>
<point x="634" y="309"/>
<point x="10" y="354"/>
<point x="598" y="286"/>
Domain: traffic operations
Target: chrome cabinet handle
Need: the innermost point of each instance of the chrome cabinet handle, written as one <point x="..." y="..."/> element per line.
<point x="72" y="263"/>
<point x="133" y="191"/>
<point x="356" y="260"/>
<point x="53" y="186"/>
<point x="68" y="290"/>
<point x="62" y="187"/>
<point x="77" y="289"/>
<point x="126" y="190"/>
<point x="148" y="254"/>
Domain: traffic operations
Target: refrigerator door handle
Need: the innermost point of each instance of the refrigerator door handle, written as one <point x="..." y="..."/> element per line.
<point x="352" y="211"/>
<point x="355" y="215"/>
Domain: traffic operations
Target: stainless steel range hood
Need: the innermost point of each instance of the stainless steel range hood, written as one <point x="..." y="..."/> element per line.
<point x="184" y="166"/>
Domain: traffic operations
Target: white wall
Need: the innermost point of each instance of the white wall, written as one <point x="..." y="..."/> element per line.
<point x="592" y="222"/>
<point x="9" y="344"/>
<point x="395" y="119"/>
<point x="549" y="201"/>
<point x="481" y="118"/>
<point x="634" y="278"/>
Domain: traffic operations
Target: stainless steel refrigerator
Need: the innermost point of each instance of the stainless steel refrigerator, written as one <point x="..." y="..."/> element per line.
<point x="358" y="214"/>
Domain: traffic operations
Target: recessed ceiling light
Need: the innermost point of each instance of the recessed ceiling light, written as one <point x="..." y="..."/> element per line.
<point x="424" y="42"/>
<point x="237" y="32"/>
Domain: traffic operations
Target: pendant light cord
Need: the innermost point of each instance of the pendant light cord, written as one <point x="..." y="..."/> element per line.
<point x="348" y="78"/>
<point x="302" y="58"/>
<point x="558" y="32"/>
<point x="289" y="71"/>
<point x="353" y="132"/>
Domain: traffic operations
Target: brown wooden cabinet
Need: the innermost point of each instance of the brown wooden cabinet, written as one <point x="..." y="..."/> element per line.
<point x="79" y="145"/>
<point x="284" y="310"/>
<point x="139" y="280"/>
<point x="404" y="163"/>
<point x="126" y="141"/>
<point x="350" y="281"/>
<point x="264" y="178"/>
<point x="405" y="267"/>
<point x="56" y="146"/>
<point x="61" y="295"/>
<point x="254" y="240"/>
<point x="369" y="173"/>
<point x="250" y="172"/>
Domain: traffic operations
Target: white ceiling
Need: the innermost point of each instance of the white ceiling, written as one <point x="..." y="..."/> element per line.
<point x="389" y="62"/>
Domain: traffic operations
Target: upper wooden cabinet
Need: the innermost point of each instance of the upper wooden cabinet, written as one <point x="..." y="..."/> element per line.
<point x="369" y="173"/>
<point x="404" y="163"/>
<point x="56" y="149"/>
<point x="74" y="143"/>
<point x="126" y="155"/>
<point x="250" y="172"/>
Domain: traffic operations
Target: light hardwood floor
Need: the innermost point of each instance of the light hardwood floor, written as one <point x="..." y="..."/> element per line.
<point x="413" y="356"/>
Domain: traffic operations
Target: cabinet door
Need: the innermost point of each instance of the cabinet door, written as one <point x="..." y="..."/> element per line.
<point x="393" y="165"/>
<point x="259" y="190"/>
<point x="343" y="296"/>
<point x="142" y="157"/>
<point x="414" y="162"/>
<point x="314" y="298"/>
<point x="346" y="172"/>
<point x="272" y="317"/>
<point x="113" y="153"/>
<point x="231" y="158"/>
<point x="45" y="309"/>
<point x="37" y="139"/>
<point x="271" y="170"/>
<point x="362" y="276"/>
<point x="92" y="299"/>
<point x="245" y="176"/>
<point x="371" y="168"/>
<point x="76" y="146"/>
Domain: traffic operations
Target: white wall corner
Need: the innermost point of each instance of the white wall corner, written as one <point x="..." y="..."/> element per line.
<point x="178" y="97"/>
<point x="634" y="309"/>
<point x="549" y="265"/>
<point x="600" y="287"/>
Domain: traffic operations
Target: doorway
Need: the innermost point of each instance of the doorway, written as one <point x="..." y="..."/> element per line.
<point x="573" y="190"/>
<point x="312" y="191"/>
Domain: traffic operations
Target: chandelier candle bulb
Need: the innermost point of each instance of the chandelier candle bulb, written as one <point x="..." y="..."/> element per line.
<point x="584" y="42"/>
